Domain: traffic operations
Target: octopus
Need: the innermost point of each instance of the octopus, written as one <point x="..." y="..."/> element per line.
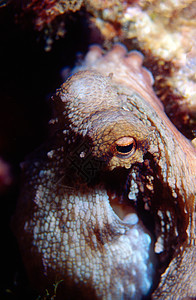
<point x="107" y="204"/>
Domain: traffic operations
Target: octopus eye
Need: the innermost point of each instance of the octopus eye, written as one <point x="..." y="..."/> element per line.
<point x="125" y="146"/>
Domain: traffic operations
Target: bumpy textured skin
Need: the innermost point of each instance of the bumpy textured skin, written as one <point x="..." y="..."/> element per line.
<point x="65" y="224"/>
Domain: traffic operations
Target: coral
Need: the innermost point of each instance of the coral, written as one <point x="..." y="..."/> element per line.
<point x="163" y="31"/>
<point x="46" y="11"/>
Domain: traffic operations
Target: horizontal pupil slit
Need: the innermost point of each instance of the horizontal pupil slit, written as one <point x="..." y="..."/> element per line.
<point x="124" y="149"/>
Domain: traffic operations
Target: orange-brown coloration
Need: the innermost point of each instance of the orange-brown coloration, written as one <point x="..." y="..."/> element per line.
<point x="46" y="11"/>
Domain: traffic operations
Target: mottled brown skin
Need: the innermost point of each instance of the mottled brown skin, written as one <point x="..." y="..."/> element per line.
<point x="65" y="223"/>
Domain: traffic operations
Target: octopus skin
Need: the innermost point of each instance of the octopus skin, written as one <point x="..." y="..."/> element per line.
<point x="107" y="204"/>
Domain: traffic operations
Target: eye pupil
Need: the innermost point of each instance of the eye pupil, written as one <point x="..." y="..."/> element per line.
<point x="124" y="149"/>
<point x="125" y="146"/>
